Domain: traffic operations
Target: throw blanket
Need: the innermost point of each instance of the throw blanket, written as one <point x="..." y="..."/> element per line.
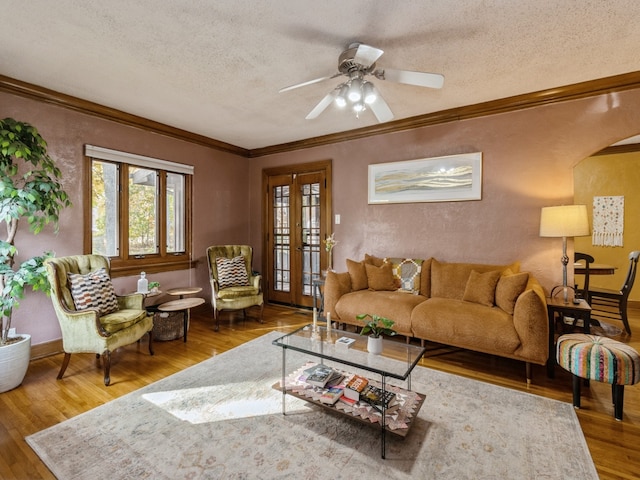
<point x="608" y="221"/>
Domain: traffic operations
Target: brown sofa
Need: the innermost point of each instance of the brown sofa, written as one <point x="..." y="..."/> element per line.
<point x="494" y="309"/>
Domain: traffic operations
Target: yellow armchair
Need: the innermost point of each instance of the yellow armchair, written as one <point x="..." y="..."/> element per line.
<point x="233" y="284"/>
<point x="94" y="328"/>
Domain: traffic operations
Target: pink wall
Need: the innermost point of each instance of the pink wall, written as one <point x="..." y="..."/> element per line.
<point x="528" y="159"/>
<point x="220" y="201"/>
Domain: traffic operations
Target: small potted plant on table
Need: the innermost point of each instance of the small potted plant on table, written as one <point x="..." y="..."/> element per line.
<point x="375" y="328"/>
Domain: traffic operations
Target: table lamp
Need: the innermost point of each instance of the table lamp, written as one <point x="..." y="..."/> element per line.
<point x="564" y="221"/>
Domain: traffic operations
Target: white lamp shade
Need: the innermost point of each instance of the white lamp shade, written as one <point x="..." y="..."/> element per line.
<point x="564" y="221"/>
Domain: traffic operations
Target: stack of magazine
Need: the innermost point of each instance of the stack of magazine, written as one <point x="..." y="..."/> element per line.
<point x="322" y="376"/>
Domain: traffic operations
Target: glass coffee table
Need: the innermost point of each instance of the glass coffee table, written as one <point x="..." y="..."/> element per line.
<point x="397" y="361"/>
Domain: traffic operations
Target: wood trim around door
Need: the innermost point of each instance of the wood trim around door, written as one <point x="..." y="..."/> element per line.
<point x="327" y="224"/>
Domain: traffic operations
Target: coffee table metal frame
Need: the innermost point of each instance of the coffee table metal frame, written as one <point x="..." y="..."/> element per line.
<point x="397" y="360"/>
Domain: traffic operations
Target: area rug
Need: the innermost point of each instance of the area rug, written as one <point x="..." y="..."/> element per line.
<point x="221" y="419"/>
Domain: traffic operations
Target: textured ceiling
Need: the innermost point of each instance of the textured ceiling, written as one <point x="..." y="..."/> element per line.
<point x="215" y="67"/>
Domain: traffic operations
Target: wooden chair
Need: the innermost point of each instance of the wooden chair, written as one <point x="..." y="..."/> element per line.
<point x="233" y="284"/>
<point x="110" y="323"/>
<point x="609" y="304"/>
<point x="588" y="260"/>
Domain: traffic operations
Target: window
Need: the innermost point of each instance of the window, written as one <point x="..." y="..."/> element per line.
<point x="140" y="211"/>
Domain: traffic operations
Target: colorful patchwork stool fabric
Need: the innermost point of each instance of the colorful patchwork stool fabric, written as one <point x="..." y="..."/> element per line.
<point x="601" y="359"/>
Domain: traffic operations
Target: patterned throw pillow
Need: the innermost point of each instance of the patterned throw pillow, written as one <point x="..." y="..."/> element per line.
<point x="407" y="272"/>
<point x="232" y="272"/>
<point x="93" y="290"/>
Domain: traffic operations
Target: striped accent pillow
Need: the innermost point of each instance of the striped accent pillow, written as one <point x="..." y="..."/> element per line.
<point x="93" y="290"/>
<point x="232" y="272"/>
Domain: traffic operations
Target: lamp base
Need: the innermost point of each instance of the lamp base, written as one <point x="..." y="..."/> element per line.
<point x="562" y="288"/>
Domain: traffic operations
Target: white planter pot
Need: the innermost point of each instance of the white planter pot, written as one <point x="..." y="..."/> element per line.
<point x="14" y="361"/>
<point x="374" y="345"/>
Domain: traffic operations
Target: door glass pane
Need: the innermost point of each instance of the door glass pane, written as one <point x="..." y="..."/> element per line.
<point x="104" y="208"/>
<point x="175" y="213"/>
<point x="282" y="239"/>
<point x="311" y="243"/>
<point x="143" y="216"/>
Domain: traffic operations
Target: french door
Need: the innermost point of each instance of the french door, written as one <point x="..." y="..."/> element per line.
<point x="297" y="218"/>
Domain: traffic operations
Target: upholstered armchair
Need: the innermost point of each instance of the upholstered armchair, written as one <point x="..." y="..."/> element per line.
<point x="93" y="319"/>
<point x="233" y="285"/>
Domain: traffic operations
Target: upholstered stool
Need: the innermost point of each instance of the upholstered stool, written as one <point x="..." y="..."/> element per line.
<point x="601" y="359"/>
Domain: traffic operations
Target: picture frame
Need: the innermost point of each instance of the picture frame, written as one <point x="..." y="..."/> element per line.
<point x="451" y="178"/>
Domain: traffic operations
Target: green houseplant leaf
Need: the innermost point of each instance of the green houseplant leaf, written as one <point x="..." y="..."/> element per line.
<point x="30" y="190"/>
<point x="376" y="326"/>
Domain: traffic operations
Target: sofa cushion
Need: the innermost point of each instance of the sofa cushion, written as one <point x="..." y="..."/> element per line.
<point x="394" y="305"/>
<point x="510" y="287"/>
<point x="380" y="278"/>
<point x="232" y="272"/>
<point x="481" y="287"/>
<point x="93" y="290"/>
<point x="407" y="272"/>
<point x="358" y="275"/>
<point x="466" y="325"/>
<point x="449" y="280"/>
<point x="372" y="260"/>
<point x="425" y="278"/>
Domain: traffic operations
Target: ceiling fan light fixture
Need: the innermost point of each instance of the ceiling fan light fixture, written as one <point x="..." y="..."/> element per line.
<point x="341" y="97"/>
<point x="369" y="93"/>
<point x="358" y="107"/>
<point x="355" y="90"/>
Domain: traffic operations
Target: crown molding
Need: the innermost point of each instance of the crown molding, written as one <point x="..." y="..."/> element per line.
<point x="575" y="91"/>
<point x="35" y="92"/>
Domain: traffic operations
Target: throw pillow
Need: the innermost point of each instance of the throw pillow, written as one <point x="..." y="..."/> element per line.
<point x="371" y="260"/>
<point x="232" y="272"/>
<point x="358" y="274"/>
<point x="407" y="273"/>
<point x="93" y="290"/>
<point x="481" y="287"/>
<point x="380" y="278"/>
<point x="509" y="288"/>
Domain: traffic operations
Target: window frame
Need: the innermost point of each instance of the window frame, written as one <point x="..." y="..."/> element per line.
<point x="124" y="264"/>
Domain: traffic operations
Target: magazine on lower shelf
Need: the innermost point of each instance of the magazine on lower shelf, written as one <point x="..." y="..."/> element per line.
<point x="377" y="397"/>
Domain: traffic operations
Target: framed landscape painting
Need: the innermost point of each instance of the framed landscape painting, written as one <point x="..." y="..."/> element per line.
<point x="452" y="178"/>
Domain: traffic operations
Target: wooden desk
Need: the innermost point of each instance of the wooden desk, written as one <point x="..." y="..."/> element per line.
<point x="594" y="269"/>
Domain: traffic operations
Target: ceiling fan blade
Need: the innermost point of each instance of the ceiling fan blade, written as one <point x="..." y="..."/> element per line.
<point x="320" y="107"/>
<point x="309" y="82"/>
<point x="367" y="55"/>
<point x="381" y="110"/>
<point x="421" y="79"/>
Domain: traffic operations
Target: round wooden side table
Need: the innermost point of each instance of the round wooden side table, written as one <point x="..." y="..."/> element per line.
<point x="182" y="291"/>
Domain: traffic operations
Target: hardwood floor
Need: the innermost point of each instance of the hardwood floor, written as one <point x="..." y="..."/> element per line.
<point x="43" y="401"/>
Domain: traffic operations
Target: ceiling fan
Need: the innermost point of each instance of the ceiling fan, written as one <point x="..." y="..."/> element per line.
<point x="358" y="61"/>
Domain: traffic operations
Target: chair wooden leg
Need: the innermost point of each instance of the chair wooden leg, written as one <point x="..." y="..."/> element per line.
<point x="617" y="392"/>
<point x="65" y="364"/>
<point x="106" y="360"/>
<point x="151" y="352"/>
<point x="528" y="370"/>
<point x="261" y="310"/>
<point x="576" y="391"/>
<point x="625" y="318"/>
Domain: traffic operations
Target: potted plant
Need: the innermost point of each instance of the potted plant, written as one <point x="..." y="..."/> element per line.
<point x="375" y="328"/>
<point x="29" y="189"/>
<point x="154" y="287"/>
